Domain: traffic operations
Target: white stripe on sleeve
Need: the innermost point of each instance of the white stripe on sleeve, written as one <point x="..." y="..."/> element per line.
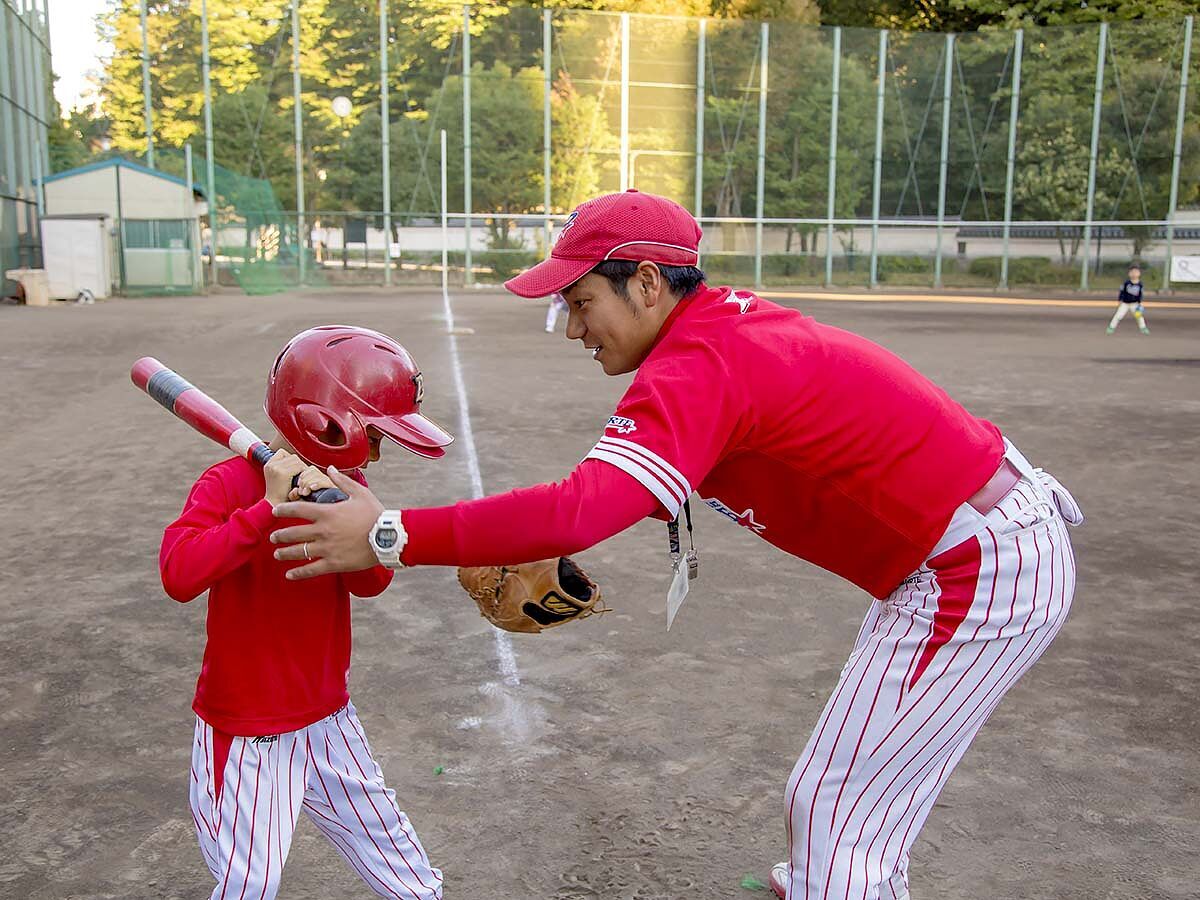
<point x="654" y="473"/>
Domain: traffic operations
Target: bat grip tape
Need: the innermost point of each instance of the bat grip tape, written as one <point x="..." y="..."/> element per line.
<point x="166" y="386"/>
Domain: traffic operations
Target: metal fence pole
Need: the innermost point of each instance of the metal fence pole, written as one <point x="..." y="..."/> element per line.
<point x="299" y="133"/>
<point x="547" y="68"/>
<point x="210" y="177"/>
<point x="831" y="191"/>
<point x="445" y="220"/>
<point x="944" y="163"/>
<point x="468" y="277"/>
<point x="624" y="155"/>
<point x="41" y="58"/>
<point x="762" y="153"/>
<point x="120" y="230"/>
<point x="386" y="144"/>
<point x="189" y="176"/>
<point x="39" y="190"/>
<point x="701" y="60"/>
<point x="187" y="168"/>
<point x="1183" y="86"/>
<point x="881" y="78"/>
<point x="1091" y="188"/>
<point x="23" y="186"/>
<point x="1010" y="164"/>
<point x="146" y="89"/>
<point x="8" y="112"/>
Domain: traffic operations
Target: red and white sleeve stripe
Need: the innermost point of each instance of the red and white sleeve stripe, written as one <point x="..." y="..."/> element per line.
<point x="657" y="475"/>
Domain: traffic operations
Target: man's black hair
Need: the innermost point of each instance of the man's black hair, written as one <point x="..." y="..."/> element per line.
<point x="682" y="280"/>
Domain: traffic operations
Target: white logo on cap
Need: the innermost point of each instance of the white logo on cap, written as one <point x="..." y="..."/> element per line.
<point x="570" y="221"/>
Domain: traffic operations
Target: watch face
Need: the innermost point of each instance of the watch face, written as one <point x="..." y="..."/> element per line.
<point x="385" y="538"/>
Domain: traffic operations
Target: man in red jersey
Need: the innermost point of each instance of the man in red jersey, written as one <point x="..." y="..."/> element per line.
<point x="820" y="442"/>
<point x="275" y="729"/>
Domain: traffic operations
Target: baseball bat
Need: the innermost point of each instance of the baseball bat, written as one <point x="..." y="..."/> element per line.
<point x="210" y="418"/>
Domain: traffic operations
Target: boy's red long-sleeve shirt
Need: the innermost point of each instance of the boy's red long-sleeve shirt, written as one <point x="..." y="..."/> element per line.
<point x="278" y="651"/>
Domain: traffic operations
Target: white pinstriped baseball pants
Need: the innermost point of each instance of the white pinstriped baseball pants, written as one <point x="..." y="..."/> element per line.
<point x="930" y="664"/>
<point x="245" y="816"/>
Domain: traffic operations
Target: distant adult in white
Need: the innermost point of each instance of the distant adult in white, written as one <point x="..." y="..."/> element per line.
<point x="557" y="305"/>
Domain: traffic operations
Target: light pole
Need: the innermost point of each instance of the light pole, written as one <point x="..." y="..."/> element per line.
<point x="342" y="107"/>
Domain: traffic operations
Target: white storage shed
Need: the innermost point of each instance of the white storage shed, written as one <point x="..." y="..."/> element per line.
<point x="155" y="216"/>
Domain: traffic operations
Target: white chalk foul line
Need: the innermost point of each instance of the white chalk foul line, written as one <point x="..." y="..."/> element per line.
<point x="505" y="655"/>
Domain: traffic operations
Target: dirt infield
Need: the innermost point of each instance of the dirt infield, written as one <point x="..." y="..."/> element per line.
<point x="620" y="761"/>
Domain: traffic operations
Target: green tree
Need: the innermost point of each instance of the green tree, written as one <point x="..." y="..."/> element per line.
<point x="972" y="15"/>
<point x="796" y="175"/>
<point x="799" y="118"/>
<point x="1051" y="181"/>
<point x="985" y="13"/>
<point x="581" y="140"/>
<point x="71" y="141"/>
<point x="506" y="155"/>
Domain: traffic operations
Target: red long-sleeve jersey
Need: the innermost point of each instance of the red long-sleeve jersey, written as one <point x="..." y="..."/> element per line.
<point x="278" y="651"/>
<point x="593" y="503"/>
<point x="819" y="441"/>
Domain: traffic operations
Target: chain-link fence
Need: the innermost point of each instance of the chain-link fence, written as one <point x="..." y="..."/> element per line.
<point x="24" y="116"/>
<point x="1050" y="157"/>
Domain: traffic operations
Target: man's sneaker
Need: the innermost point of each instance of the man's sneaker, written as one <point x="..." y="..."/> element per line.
<point x="779" y="879"/>
<point x="1145" y="330"/>
<point x="1109" y="330"/>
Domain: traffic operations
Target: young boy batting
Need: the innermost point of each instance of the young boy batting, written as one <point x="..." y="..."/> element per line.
<point x="276" y="732"/>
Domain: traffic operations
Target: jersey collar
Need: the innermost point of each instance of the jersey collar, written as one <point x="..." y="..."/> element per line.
<point x="699" y="297"/>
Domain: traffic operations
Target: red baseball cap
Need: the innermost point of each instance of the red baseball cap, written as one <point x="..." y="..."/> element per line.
<point x="630" y="225"/>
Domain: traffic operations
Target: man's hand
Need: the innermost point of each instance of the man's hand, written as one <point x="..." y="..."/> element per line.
<point x="336" y="538"/>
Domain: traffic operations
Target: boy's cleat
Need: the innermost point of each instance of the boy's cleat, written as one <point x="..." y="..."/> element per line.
<point x="1109" y="330"/>
<point x="779" y="879"/>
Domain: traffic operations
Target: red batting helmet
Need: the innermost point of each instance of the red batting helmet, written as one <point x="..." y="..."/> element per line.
<point x="331" y="382"/>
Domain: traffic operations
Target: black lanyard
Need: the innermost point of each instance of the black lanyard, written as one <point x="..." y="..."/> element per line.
<point x="673" y="539"/>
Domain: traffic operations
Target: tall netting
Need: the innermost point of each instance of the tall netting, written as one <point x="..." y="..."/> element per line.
<point x="1053" y="153"/>
<point x="982" y="72"/>
<point x="662" y="74"/>
<point x="24" y="118"/>
<point x="1137" y="127"/>
<point x="247" y="239"/>
<point x="507" y="91"/>
<point x="811" y="155"/>
<point x="586" y="65"/>
<point x="733" y="65"/>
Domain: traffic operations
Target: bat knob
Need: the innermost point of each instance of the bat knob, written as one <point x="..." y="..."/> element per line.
<point x="324" y="495"/>
<point x="328" y="495"/>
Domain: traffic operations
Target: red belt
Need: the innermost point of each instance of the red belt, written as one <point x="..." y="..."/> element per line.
<point x="985" y="499"/>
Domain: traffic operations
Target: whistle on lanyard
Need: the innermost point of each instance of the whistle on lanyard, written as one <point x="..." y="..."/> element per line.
<point x="684" y="566"/>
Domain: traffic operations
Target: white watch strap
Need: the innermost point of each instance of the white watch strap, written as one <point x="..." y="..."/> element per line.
<point x="390" y="557"/>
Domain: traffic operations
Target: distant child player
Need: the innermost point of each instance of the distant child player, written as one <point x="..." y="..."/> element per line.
<point x="275" y="729"/>
<point x="1130" y="299"/>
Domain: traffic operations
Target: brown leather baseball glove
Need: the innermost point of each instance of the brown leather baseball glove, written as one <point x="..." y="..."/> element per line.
<point x="532" y="597"/>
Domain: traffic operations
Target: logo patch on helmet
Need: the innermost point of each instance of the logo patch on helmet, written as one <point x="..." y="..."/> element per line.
<point x="419" y="381"/>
